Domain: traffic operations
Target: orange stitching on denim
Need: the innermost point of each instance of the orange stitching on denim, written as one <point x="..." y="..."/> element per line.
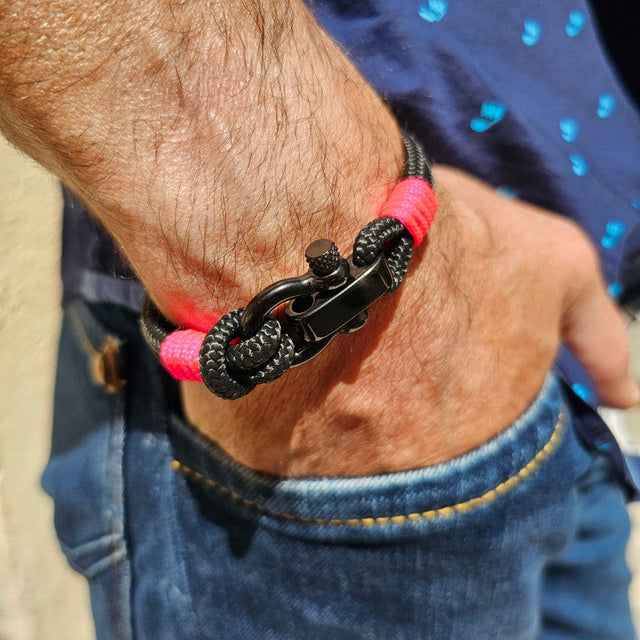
<point x="443" y="512"/>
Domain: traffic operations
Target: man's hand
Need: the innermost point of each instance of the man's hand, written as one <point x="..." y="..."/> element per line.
<point x="447" y="363"/>
<point x="215" y="141"/>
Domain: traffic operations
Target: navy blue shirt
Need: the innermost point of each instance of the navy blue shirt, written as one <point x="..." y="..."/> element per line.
<point x="520" y="93"/>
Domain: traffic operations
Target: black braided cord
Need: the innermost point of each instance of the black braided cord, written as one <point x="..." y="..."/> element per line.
<point x="389" y="231"/>
<point x="231" y="371"/>
<point x="269" y="354"/>
<point x="155" y="327"/>
<point x="416" y="164"/>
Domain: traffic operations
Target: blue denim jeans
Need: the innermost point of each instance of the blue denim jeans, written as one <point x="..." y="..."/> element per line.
<point x="521" y="538"/>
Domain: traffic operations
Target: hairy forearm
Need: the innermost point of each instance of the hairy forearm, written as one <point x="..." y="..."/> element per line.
<point x="213" y="139"/>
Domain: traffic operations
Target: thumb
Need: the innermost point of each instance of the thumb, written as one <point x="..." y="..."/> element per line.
<point x="594" y="330"/>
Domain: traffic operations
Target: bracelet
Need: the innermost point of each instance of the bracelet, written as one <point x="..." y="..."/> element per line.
<point x="256" y="344"/>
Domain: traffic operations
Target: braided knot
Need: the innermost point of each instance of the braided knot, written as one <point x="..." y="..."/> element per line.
<point x="396" y="240"/>
<point x="233" y="370"/>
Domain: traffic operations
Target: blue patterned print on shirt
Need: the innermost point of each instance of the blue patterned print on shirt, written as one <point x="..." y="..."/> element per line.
<point x="490" y="114"/>
<point x="433" y="10"/>
<point x="577" y="20"/>
<point x="532" y="32"/>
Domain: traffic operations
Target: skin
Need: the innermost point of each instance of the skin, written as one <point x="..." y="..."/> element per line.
<point x="215" y="140"/>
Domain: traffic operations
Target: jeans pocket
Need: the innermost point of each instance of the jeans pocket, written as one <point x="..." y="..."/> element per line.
<point x="456" y="550"/>
<point x="395" y="505"/>
<point x="84" y="474"/>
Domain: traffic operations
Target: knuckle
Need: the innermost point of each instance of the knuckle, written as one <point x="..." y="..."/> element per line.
<point x="619" y="358"/>
<point x="578" y="251"/>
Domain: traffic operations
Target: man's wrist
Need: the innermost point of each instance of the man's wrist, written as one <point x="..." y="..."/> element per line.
<point x="213" y="158"/>
<point x="331" y="298"/>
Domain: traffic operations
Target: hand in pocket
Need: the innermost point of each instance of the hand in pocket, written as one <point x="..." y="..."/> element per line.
<point x="449" y="361"/>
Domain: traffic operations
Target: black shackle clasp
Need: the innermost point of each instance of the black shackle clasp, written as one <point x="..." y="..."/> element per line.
<point x="332" y="298"/>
